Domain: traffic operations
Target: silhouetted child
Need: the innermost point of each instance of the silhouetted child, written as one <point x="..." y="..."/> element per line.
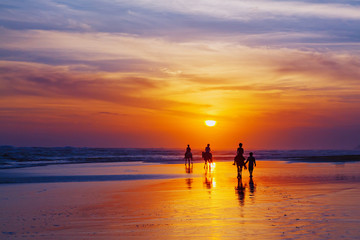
<point x="252" y="163"/>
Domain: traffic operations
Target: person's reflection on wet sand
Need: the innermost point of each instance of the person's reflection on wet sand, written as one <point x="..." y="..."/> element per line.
<point x="208" y="179"/>
<point x="252" y="188"/>
<point x="189" y="170"/>
<point x="240" y="191"/>
<point x="189" y="182"/>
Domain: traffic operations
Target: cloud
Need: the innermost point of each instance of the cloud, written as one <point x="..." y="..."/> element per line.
<point x="40" y="80"/>
<point x="348" y="98"/>
<point x="42" y="14"/>
<point x="140" y="64"/>
<point x="109" y="113"/>
<point x="186" y="21"/>
<point x="244" y="10"/>
<point x="338" y="68"/>
<point x="154" y="65"/>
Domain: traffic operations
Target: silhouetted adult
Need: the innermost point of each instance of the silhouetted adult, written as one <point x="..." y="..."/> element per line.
<point x="240" y="150"/>
<point x="207" y="149"/>
<point x="188" y="155"/>
<point x="207" y="156"/>
<point x="239" y="160"/>
<point x="252" y="163"/>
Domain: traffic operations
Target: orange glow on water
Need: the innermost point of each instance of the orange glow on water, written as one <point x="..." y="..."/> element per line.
<point x="216" y="203"/>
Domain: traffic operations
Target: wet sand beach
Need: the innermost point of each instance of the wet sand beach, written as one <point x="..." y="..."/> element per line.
<point x="169" y="201"/>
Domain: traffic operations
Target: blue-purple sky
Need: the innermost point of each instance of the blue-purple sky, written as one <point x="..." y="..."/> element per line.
<point x="273" y="74"/>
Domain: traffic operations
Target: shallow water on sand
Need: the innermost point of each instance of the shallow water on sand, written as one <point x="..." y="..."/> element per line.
<point x="281" y="201"/>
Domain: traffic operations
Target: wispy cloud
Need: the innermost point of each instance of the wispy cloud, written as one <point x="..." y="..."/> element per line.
<point x="24" y="79"/>
<point x="185" y="20"/>
<point x="263" y="63"/>
<point x="244" y="10"/>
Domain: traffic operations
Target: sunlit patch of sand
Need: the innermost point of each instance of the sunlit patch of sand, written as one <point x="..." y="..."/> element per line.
<point x="312" y="201"/>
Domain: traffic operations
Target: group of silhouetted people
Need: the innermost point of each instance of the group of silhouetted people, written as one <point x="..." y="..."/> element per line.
<point x="240" y="162"/>
<point x="239" y="159"/>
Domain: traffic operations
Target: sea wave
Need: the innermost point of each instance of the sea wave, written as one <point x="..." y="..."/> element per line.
<point x="16" y="157"/>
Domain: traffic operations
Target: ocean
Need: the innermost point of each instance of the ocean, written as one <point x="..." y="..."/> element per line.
<point x="20" y="157"/>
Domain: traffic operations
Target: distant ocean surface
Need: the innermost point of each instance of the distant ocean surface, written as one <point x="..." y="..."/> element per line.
<point x="18" y="157"/>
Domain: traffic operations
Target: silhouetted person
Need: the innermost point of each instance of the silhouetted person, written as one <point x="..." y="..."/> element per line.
<point x="188" y="155"/>
<point x="207" y="156"/>
<point x="252" y="163"/>
<point x="240" y="150"/>
<point x="239" y="160"/>
<point x="207" y="149"/>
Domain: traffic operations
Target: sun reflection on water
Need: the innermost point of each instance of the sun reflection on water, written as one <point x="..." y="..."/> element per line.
<point x="209" y="179"/>
<point x="217" y="205"/>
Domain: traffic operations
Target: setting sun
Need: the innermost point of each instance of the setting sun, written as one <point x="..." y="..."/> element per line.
<point x="210" y="123"/>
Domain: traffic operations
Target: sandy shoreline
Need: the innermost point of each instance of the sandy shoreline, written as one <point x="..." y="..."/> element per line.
<point x="284" y="201"/>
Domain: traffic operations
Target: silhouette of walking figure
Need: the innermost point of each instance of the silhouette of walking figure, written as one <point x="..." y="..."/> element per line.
<point x="239" y="160"/>
<point x="252" y="163"/>
<point x="188" y="155"/>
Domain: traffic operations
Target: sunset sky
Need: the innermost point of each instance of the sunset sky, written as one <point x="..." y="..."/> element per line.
<point x="148" y="73"/>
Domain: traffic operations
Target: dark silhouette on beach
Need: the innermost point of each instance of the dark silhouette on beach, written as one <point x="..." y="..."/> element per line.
<point x="188" y="155"/>
<point x="207" y="156"/>
<point x="239" y="160"/>
<point x="251" y="163"/>
<point x="240" y="150"/>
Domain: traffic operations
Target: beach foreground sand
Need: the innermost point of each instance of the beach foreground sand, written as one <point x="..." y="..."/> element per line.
<point x="107" y="201"/>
